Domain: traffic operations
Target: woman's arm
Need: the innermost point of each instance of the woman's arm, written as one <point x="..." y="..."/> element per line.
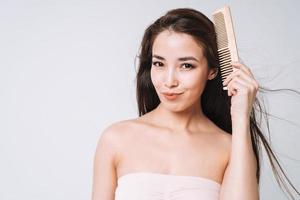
<point x="239" y="180"/>
<point x="104" y="176"/>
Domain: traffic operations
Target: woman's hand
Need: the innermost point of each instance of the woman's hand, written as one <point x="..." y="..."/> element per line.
<point x="242" y="87"/>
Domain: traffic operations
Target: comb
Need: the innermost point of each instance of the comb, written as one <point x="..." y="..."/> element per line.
<point x="226" y="42"/>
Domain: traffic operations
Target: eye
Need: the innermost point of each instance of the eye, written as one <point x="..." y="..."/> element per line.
<point x="188" y="65"/>
<point x="160" y="64"/>
<point x="154" y="63"/>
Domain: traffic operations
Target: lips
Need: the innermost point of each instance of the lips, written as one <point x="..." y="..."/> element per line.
<point x="171" y="95"/>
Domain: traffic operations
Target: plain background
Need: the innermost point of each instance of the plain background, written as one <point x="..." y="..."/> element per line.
<point x="67" y="71"/>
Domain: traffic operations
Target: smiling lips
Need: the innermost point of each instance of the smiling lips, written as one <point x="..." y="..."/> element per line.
<point x="171" y="96"/>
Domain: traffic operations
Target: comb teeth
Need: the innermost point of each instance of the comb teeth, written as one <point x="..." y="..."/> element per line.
<point x="226" y="41"/>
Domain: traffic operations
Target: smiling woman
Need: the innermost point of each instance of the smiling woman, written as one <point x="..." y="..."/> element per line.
<point x="173" y="76"/>
<point x="192" y="140"/>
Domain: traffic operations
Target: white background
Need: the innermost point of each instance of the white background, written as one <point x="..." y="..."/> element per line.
<point x="67" y="71"/>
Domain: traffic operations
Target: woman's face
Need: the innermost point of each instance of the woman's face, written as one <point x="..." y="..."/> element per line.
<point x="178" y="66"/>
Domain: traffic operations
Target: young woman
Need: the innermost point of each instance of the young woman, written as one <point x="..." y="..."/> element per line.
<point x="192" y="140"/>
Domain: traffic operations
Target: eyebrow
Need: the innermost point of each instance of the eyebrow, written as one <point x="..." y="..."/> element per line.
<point x="180" y="59"/>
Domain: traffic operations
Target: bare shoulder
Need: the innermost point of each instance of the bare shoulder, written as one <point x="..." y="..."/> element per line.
<point x="226" y="138"/>
<point x="106" y="160"/>
<point x="114" y="132"/>
<point x="223" y="140"/>
<point x="114" y="136"/>
<point x="119" y="129"/>
<point x="109" y="144"/>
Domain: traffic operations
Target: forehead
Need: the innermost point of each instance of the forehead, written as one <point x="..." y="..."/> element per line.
<point x="170" y="43"/>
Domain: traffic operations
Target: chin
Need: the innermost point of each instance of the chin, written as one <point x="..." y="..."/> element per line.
<point x="174" y="106"/>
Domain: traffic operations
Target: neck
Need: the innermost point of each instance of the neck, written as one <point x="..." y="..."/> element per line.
<point x="183" y="121"/>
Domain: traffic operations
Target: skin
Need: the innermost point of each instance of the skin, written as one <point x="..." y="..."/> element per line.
<point x="178" y="128"/>
<point x="178" y="76"/>
<point x="240" y="175"/>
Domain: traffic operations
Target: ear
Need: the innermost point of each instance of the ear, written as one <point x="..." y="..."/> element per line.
<point x="212" y="73"/>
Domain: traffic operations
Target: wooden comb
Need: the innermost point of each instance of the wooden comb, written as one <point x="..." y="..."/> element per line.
<point x="226" y="41"/>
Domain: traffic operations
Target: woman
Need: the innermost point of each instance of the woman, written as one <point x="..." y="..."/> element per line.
<point x="192" y="139"/>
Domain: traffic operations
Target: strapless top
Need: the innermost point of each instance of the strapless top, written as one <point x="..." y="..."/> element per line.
<point x="158" y="186"/>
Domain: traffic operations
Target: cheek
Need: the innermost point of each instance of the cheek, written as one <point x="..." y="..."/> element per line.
<point x="155" y="78"/>
<point x="195" y="82"/>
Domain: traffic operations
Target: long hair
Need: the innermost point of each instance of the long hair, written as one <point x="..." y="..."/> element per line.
<point x="214" y="100"/>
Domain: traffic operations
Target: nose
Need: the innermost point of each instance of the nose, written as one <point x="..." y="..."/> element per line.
<point x="171" y="79"/>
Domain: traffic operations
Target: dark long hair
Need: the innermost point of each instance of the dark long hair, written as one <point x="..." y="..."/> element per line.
<point x="214" y="100"/>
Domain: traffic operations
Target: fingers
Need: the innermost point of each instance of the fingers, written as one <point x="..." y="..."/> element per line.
<point x="241" y="79"/>
<point x="238" y="73"/>
<point x="235" y="86"/>
<point x="243" y="67"/>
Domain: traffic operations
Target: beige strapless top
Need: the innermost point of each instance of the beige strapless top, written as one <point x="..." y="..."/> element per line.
<point x="158" y="186"/>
